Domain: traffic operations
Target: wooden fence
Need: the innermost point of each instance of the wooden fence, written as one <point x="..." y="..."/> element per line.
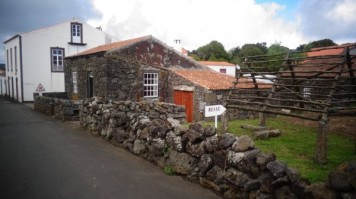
<point x="312" y="85"/>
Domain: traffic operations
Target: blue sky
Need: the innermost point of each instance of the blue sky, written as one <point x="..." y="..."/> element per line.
<point x="195" y="22"/>
<point x="290" y="10"/>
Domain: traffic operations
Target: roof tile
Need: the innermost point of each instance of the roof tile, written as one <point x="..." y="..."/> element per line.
<point x="111" y="46"/>
<point x="216" y="63"/>
<point x="216" y="81"/>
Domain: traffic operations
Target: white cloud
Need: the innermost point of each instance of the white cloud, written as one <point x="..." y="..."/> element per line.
<point x="344" y="12"/>
<point x="334" y="20"/>
<point x="197" y="22"/>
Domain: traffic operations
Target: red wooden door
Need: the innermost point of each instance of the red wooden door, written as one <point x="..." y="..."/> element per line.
<point x="185" y="98"/>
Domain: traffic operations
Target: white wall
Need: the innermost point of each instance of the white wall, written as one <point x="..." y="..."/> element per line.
<point x="230" y="70"/>
<point x="13" y="79"/>
<point x="2" y="85"/>
<point x="36" y="55"/>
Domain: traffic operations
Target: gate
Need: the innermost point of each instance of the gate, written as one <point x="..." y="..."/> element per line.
<point x="185" y="98"/>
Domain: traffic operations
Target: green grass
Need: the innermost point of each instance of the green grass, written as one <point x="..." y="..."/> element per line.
<point x="296" y="146"/>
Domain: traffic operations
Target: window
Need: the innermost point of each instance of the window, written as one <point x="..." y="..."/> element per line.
<point x="11" y="59"/>
<point x="223" y="70"/>
<point x="16" y="58"/>
<point x="57" y="55"/>
<point x="7" y="60"/>
<point x="76" y="33"/>
<point x="150" y="85"/>
<point x="75" y="85"/>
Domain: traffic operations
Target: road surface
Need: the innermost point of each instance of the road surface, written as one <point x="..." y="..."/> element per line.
<point x="44" y="158"/>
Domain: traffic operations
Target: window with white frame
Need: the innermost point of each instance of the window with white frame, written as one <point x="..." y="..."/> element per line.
<point x="150" y="84"/>
<point x="76" y="32"/>
<point x="75" y="85"/>
<point x="57" y="55"/>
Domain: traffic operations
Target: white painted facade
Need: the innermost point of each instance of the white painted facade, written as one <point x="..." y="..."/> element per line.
<point x="2" y="83"/>
<point x="221" y="67"/>
<point x="29" y="56"/>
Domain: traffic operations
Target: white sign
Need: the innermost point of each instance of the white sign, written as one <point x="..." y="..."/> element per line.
<point x="40" y="88"/>
<point x="214" y="111"/>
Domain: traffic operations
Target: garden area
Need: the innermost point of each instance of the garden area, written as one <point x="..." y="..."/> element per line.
<point x="296" y="145"/>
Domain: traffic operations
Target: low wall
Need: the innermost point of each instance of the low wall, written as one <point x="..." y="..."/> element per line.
<point x="65" y="110"/>
<point x="230" y="165"/>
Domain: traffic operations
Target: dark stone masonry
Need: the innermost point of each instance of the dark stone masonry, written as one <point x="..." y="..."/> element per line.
<point x="229" y="165"/>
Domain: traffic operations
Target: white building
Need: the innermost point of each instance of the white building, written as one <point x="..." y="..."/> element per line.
<point x="34" y="60"/>
<point x="2" y="82"/>
<point x="221" y="67"/>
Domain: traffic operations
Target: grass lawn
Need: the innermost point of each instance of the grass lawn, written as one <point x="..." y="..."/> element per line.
<point x="296" y="146"/>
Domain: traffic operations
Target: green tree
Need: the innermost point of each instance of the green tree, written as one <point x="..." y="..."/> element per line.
<point x="233" y="53"/>
<point x="248" y="50"/>
<point x="213" y="51"/>
<point x="262" y="46"/>
<point x="276" y="53"/>
<point x="319" y="43"/>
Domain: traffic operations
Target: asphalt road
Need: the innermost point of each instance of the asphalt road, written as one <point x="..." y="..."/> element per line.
<point x="44" y="158"/>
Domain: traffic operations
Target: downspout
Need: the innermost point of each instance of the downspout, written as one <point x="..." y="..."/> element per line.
<point x="21" y="68"/>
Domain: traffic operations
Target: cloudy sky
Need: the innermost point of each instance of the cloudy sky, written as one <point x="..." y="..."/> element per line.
<point x="194" y="22"/>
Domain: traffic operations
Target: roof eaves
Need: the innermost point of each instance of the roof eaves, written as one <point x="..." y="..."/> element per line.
<point x="85" y="55"/>
<point x="140" y="39"/>
<point x="13" y="37"/>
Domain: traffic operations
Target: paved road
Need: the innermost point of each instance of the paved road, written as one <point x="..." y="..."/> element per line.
<point x="44" y="158"/>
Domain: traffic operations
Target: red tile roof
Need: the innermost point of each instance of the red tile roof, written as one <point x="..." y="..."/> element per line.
<point x="215" y="81"/>
<point x="112" y="46"/>
<point x="216" y="63"/>
<point x="323" y="59"/>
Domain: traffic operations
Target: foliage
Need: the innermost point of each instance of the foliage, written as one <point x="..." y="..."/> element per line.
<point x="214" y="51"/>
<point x="319" y="43"/>
<point x="297" y="145"/>
<point x="248" y="50"/>
<point x="276" y="53"/>
<point x="168" y="170"/>
<point x="262" y="46"/>
<point x="234" y="53"/>
<point x="300" y="47"/>
<point x="194" y="56"/>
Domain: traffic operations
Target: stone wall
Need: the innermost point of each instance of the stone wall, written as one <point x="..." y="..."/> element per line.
<point x="100" y="116"/>
<point x="96" y="65"/>
<point x="62" y="95"/>
<point x="65" y="110"/>
<point x="229" y="165"/>
<point x="44" y="105"/>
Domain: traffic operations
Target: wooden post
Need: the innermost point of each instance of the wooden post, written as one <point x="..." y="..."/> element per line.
<point x="262" y="117"/>
<point x="225" y="120"/>
<point x="322" y="140"/>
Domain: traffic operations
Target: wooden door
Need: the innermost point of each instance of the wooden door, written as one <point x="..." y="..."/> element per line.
<point x="185" y="98"/>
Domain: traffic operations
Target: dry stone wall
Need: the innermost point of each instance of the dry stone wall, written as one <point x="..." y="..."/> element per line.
<point x="229" y="165"/>
<point x="65" y="110"/>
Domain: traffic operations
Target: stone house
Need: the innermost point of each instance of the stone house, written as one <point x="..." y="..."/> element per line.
<point x="144" y="69"/>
